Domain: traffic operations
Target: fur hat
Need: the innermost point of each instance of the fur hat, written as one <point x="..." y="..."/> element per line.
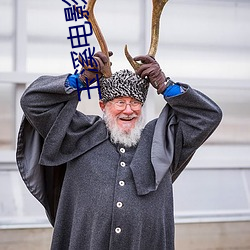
<point x="124" y="83"/>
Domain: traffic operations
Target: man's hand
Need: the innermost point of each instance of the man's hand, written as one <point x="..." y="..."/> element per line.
<point x="151" y="70"/>
<point x="98" y="65"/>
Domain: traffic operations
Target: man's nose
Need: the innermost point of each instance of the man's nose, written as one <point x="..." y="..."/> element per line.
<point x="128" y="110"/>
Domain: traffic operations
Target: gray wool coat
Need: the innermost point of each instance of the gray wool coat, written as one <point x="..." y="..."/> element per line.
<point x="99" y="195"/>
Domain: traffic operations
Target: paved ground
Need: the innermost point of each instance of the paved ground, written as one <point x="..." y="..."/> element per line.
<point x="201" y="236"/>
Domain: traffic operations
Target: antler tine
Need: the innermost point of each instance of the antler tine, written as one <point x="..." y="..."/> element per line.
<point x="99" y="36"/>
<point x="135" y="65"/>
<point x="158" y="6"/>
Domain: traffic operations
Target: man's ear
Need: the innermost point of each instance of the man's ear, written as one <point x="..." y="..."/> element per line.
<point x="102" y="105"/>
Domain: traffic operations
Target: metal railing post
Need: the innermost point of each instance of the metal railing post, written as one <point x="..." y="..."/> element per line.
<point x="20" y="55"/>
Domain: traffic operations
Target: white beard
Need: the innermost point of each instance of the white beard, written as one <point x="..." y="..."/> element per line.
<point x="127" y="139"/>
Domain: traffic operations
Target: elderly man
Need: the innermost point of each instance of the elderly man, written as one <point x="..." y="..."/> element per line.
<point x="107" y="183"/>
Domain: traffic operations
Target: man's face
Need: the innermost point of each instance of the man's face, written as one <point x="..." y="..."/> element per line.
<point x="125" y="119"/>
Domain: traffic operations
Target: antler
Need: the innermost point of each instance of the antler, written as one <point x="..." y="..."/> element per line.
<point x="158" y="6"/>
<point x="99" y="36"/>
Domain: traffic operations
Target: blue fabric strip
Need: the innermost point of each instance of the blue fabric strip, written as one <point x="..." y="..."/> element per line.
<point x="172" y="90"/>
<point x="73" y="81"/>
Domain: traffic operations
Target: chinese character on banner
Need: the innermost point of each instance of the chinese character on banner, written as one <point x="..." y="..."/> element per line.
<point x="78" y="35"/>
<point x="86" y="59"/>
<point x="75" y="2"/>
<point x="88" y="87"/>
<point x="75" y="61"/>
<point x="75" y="13"/>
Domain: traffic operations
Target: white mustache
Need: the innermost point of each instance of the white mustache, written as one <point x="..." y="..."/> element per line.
<point x="122" y="116"/>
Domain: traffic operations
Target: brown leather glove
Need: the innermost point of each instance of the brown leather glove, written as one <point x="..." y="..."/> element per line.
<point x="150" y="69"/>
<point x="98" y="63"/>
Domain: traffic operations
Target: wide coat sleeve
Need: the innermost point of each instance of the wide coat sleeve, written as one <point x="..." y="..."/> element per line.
<point x="52" y="133"/>
<point x="168" y="143"/>
<point x="44" y="99"/>
<point x="197" y="116"/>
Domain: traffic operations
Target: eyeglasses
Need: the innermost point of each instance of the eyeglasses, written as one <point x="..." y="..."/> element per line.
<point x="121" y="105"/>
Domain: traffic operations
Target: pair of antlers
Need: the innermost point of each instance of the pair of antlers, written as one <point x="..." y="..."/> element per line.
<point x="158" y="6"/>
